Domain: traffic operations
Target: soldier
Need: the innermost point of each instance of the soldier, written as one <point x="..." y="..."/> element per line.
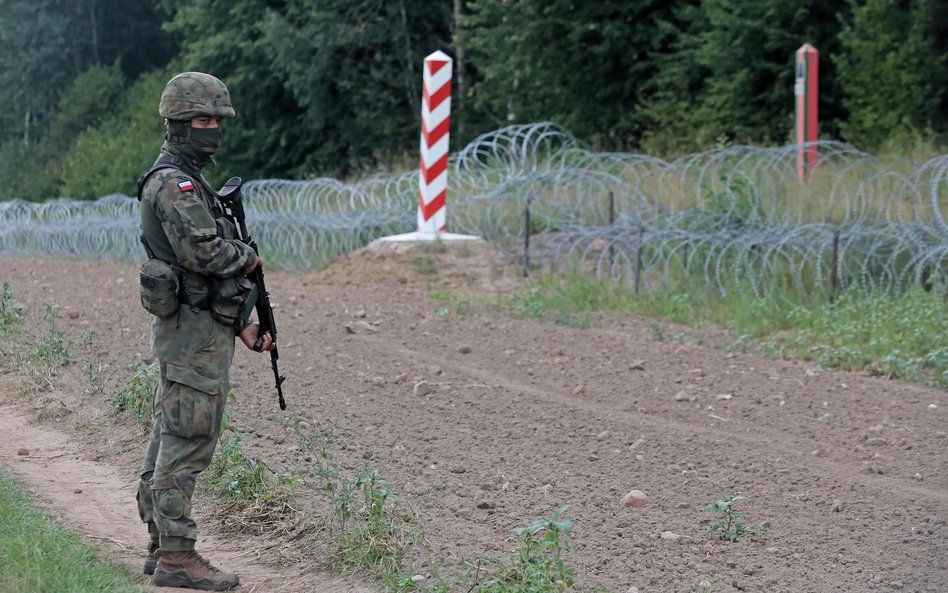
<point x="194" y="284"/>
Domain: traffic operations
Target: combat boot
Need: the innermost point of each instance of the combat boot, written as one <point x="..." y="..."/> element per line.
<point x="190" y="569"/>
<point x="151" y="559"/>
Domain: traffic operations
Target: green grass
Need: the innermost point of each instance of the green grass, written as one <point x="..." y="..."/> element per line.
<point x="901" y="336"/>
<point x="39" y="555"/>
<point x="370" y="533"/>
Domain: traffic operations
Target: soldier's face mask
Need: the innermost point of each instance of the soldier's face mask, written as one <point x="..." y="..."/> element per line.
<point x="205" y="141"/>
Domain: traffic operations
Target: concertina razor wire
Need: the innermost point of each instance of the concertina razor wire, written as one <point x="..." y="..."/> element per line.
<point x="726" y="217"/>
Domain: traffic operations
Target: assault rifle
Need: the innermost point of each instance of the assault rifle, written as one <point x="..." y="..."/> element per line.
<point x="233" y="205"/>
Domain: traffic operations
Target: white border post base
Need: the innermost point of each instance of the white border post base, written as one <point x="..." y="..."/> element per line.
<point x="417" y="237"/>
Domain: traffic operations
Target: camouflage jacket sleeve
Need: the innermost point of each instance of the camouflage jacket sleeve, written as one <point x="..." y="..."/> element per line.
<point x="192" y="232"/>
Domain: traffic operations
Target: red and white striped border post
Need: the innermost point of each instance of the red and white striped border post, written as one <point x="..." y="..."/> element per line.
<point x="433" y="166"/>
<point x="435" y="126"/>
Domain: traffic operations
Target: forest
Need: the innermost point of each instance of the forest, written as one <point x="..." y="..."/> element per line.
<point x="333" y="87"/>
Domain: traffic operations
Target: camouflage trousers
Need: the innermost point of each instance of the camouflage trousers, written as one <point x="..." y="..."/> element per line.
<point x="194" y="353"/>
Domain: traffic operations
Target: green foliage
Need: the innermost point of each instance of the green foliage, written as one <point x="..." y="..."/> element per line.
<point x="581" y="65"/>
<point x="728" y="523"/>
<point x="39" y="554"/>
<point x="53" y="351"/>
<point x="99" y="141"/>
<point x="327" y="88"/>
<point x="537" y="564"/>
<point x="452" y="305"/>
<point x="423" y="264"/>
<point x="571" y="300"/>
<point x="62" y="67"/>
<point x="893" y="83"/>
<point x="23" y="169"/>
<point x="333" y="88"/>
<point x="93" y="374"/>
<point x="91" y="98"/>
<point x="253" y="496"/>
<point x="370" y="534"/>
<point x="729" y="71"/>
<point x="36" y="63"/>
<point x="902" y="336"/>
<point x="11" y="327"/>
<point x="138" y="396"/>
<point x="241" y="477"/>
<point x="109" y="158"/>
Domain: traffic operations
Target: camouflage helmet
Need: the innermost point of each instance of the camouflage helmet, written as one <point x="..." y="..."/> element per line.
<point x="191" y="94"/>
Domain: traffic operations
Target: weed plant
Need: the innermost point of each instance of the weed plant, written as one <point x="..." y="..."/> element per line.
<point x="11" y="324"/>
<point x="11" y="316"/>
<point x="424" y="264"/>
<point x="706" y="587"/>
<point x="536" y="564"/>
<point x="903" y="336"/>
<point x="453" y="306"/>
<point x="241" y="478"/>
<point x="728" y="523"/>
<point x="138" y="397"/>
<point x="93" y="374"/>
<point x="255" y="496"/>
<point x="570" y="303"/>
<point x="53" y="349"/>
<point x="368" y="533"/>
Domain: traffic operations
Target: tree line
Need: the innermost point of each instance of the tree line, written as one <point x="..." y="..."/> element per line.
<point x="333" y="87"/>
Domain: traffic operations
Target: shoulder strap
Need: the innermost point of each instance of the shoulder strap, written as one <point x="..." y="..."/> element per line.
<point x="163" y="164"/>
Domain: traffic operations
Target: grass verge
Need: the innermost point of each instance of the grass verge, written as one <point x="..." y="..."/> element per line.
<point x="902" y="336"/>
<point x="38" y="554"/>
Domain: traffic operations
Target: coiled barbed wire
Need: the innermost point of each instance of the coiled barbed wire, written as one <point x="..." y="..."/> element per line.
<point x="737" y="215"/>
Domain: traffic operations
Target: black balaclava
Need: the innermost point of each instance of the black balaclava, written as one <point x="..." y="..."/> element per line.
<point x="196" y="145"/>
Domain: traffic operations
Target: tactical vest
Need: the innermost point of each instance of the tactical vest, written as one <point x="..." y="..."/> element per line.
<point x="226" y="299"/>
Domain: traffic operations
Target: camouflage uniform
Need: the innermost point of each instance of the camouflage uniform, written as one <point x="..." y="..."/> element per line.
<point x="194" y="351"/>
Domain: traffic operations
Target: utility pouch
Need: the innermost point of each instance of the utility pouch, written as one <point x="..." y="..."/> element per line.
<point x="159" y="288"/>
<point x="230" y="298"/>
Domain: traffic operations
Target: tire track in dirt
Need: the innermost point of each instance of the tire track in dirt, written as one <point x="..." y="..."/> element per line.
<point x="480" y="401"/>
<point x="775" y="445"/>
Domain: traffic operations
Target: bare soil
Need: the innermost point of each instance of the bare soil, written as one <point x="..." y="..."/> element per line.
<point x="846" y="472"/>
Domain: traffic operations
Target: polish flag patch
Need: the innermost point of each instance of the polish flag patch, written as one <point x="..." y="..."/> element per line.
<point x="186" y="186"/>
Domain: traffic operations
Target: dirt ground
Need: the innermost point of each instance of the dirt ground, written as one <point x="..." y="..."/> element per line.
<point x="846" y="472"/>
